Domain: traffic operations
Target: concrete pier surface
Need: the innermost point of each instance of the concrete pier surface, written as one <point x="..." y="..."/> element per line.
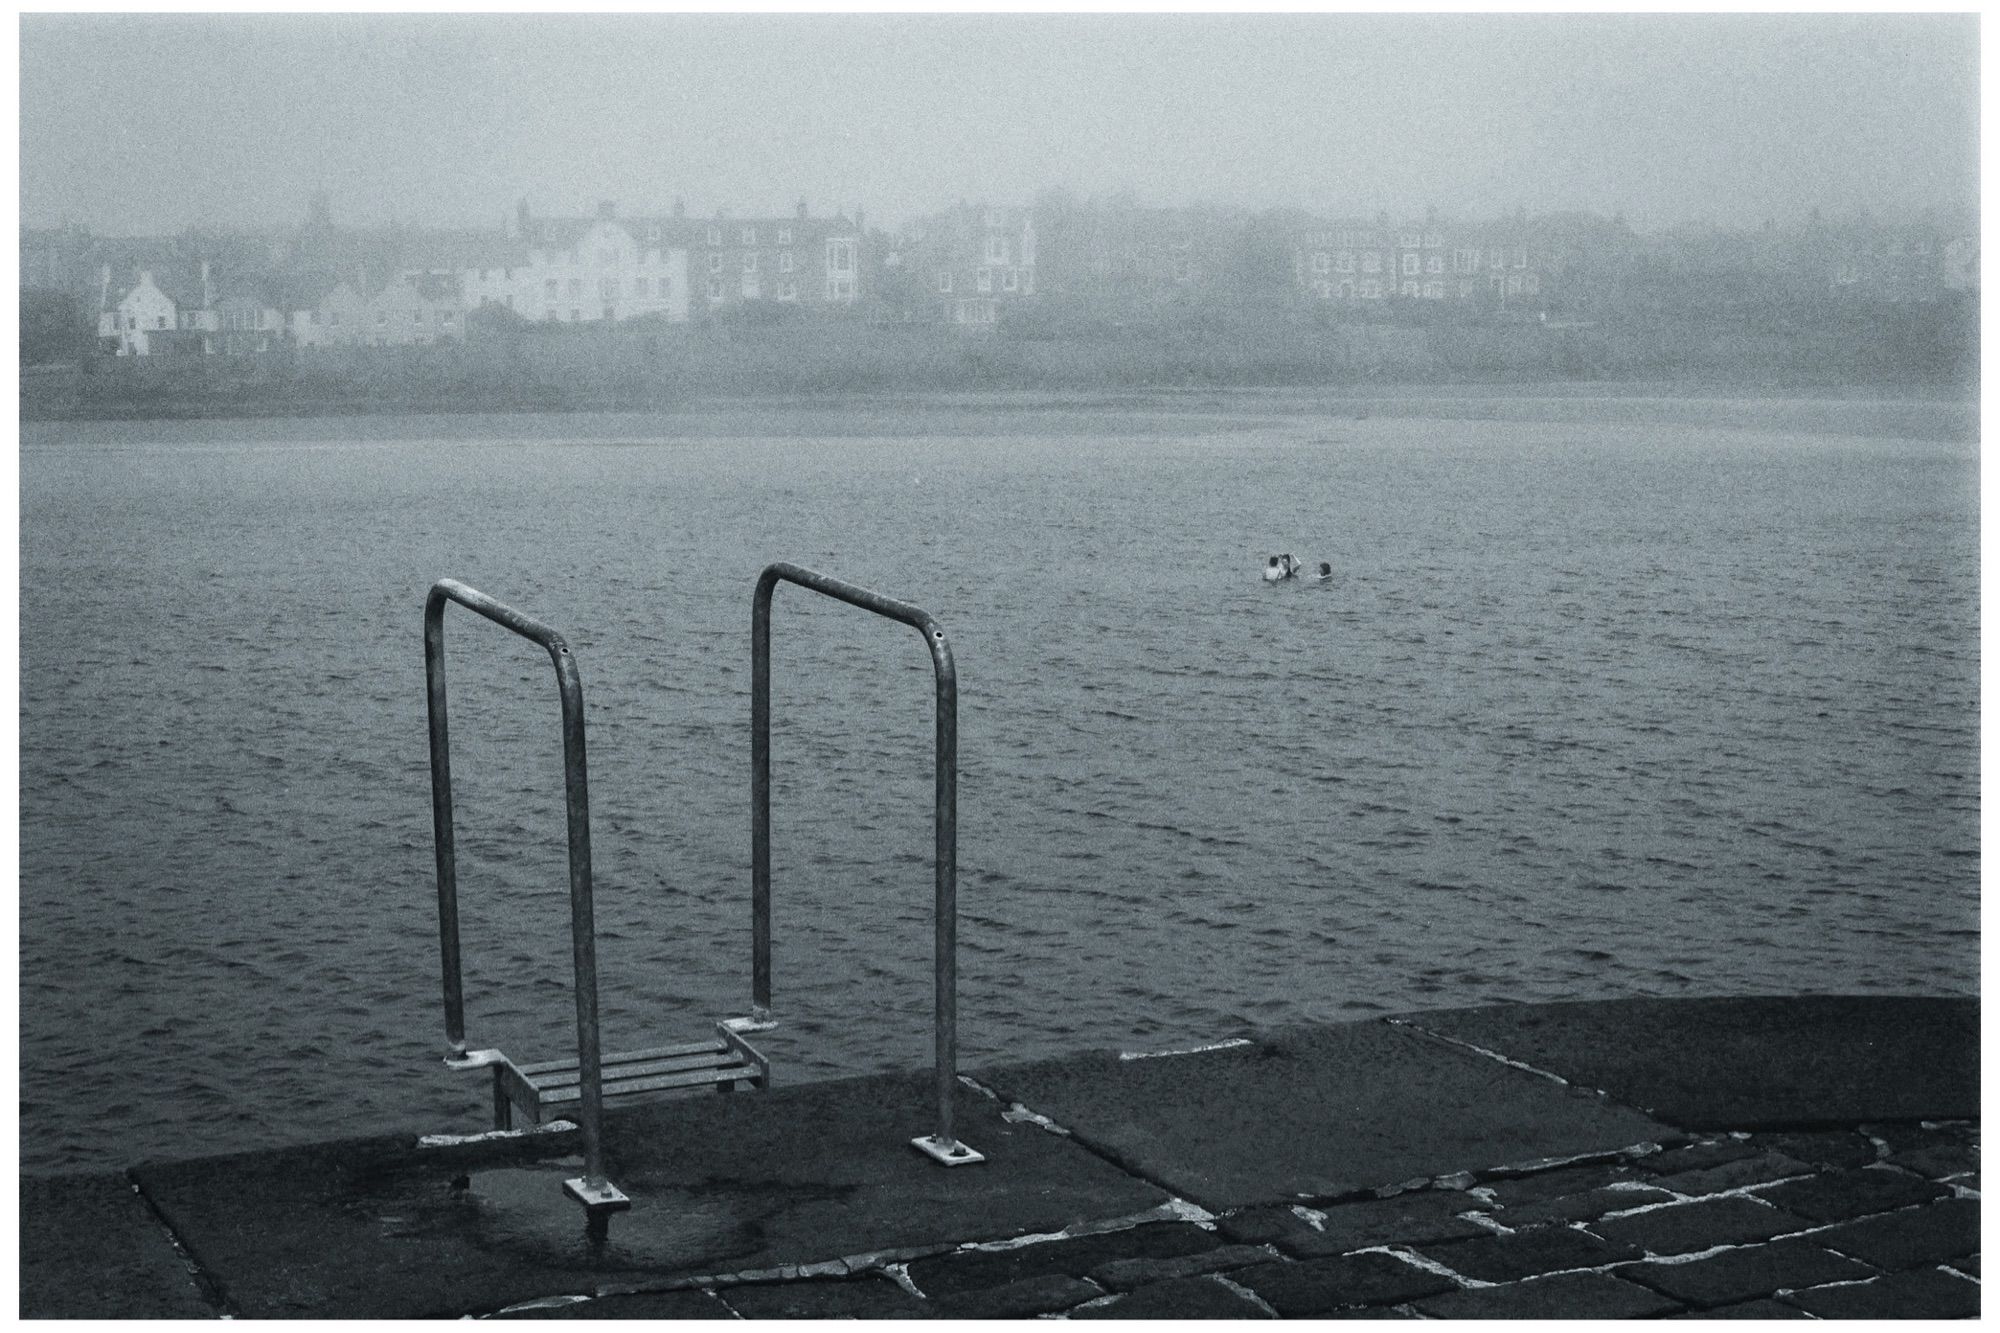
<point x="1709" y="1158"/>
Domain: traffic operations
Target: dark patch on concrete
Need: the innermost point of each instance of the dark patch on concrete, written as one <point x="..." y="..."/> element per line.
<point x="1316" y="1113"/>
<point x="1564" y="1296"/>
<point x="373" y="1228"/>
<point x="92" y="1249"/>
<point x="1748" y="1063"/>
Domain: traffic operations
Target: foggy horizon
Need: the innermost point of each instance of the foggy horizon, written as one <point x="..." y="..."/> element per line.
<point x="448" y="120"/>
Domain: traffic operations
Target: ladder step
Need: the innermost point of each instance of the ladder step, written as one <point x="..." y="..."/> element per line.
<point x="617" y="1072"/>
<point x="691" y="1078"/>
<point x="605" y="1062"/>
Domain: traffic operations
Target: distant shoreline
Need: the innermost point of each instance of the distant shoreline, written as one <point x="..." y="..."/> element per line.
<point x="1904" y="411"/>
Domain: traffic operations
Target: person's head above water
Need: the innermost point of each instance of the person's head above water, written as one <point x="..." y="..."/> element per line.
<point x="1325" y="568"/>
<point x="1272" y="561"/>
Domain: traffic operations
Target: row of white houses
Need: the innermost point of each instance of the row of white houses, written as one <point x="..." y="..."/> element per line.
<point x="558" y="271"/>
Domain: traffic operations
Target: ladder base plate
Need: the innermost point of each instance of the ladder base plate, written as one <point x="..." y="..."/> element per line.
<point x="949" y="1154"/>
<point x="604" y="1197"/>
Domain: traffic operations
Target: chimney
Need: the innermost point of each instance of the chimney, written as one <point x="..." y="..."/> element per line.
<point x="606" y="210"/>
<point x="521" y="220"/>
<point x="680" y="208"/>
<point x="207" y="288"/>
<point x="104" y="287"/>
<point x="802" y="210"/>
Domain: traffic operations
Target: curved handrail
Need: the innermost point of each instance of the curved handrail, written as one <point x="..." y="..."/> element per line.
<point x="596" y="1191"/>
<point x="944" y="1146"/>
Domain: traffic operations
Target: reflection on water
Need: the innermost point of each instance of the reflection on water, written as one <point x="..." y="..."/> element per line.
<point x="1586" y="710"/>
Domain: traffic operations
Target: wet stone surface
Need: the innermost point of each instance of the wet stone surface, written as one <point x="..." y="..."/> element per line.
<point x="1188" y="1298"/>
<point x="1840" y="1194"/>
<point x="1686" y="1228"/>
<point x="1564" y="1296"/>
<point x="1320" y="1286"/>
<point x="1747" y="1274"/>
<point x="1923" y="1293"/>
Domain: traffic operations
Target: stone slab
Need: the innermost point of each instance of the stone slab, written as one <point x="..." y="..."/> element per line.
<point x="1747" y="1274"/>
<point x="1779" y="1062"/>
<point x="970" y="1270"/>
<point x="1936" y="1233"/>
<point x="1316" y="1113"/>
<point x="92" y="1249"/>
<point x="1564" y="1296"/>
<point x="1527" y="1254"/>
<point x="1834" y="1195"/>
<point x="1403" y="1219"/>
<point x="1314" y="1287"/>
<point x="823" y="1298"/>
<point x="720" y="1185"/>
<point x="637" y="1305"/>
<point x="1923" y="1293"/>
<point x="1129" y="1274"/>
<point x="1020" y="1300"/>
<point x="1765" y="1309"/>
<point x="1185" y="1298"/>
<point x="1687" y="1228"/>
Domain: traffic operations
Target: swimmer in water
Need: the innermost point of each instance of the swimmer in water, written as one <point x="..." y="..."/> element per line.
<point x="1325" y="572"/>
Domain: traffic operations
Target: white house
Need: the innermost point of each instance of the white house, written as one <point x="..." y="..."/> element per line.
<point x="584" y="271"/>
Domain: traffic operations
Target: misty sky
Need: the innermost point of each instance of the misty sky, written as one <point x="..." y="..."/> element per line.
<point x="147" y="124"/>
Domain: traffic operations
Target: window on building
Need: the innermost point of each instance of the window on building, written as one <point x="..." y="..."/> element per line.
<point x="1322" y="289"/>
<point x="1433" y="291"/>
<point x="1435" y="264"/>
<point x="985" y="280"/>
<point x="788" y="291"/>
<point x="575" y="288"/>
<point x="1410" y="240"/>
<point x="715" y="236"/>
<point x="1347" y="290"/>
<point x="1521" y="258"/>
<point x="715" y="289"/>
<point x="784" y="261"/>
<point x="749" y="236"/>
<point x="840" y="256"/>
<point x="1322" y="262"/>
<point x="653" y="233"/>
<point x="1410" y="289"/>
<point x="1432" y="240"/>
<point x="1532" y="283"/>
<point x="1412" y="264"/>
<point x="840" y="288"/>
<point x="1010" y="281"/>
<point x="784" y="236"/>
<point x="750" y="261"/>
<point x="751" y="289"/>
<point x="1371" y="262"/>
<point x="550" y="289"/>
<point x="1344" y="262"/>
<point x="944" y="283"/>
<point x="1497" y="258"/>
<point x="715" y="263"/>
<point x="1371" y="289"/>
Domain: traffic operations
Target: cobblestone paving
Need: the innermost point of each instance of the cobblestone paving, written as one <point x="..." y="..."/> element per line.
<point x="1878" y="1221"/>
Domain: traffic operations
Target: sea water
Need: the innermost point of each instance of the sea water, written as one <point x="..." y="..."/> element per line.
<point x="1588" y="709"/>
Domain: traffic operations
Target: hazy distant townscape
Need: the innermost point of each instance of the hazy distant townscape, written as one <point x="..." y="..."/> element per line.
<point x="1163" y="295"/>
<point x="1771" y="199"/>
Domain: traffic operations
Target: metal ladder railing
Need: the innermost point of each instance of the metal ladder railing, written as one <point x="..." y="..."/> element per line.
<point x="942" y="1145"/>
<point x="537" y="1088"/>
